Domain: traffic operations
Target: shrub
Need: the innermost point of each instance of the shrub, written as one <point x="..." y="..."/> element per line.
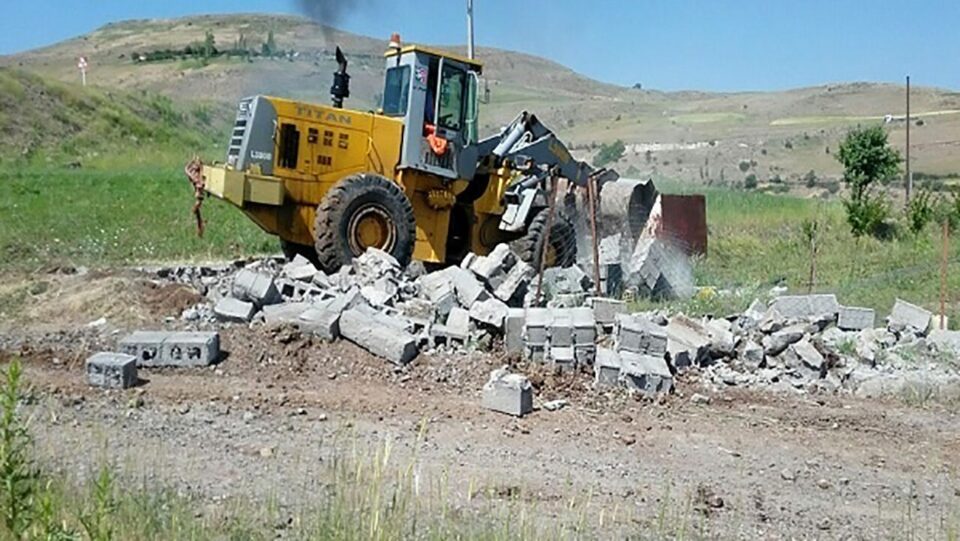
<point x="750" y="182"/>
<point x="810" y="179"/>
<point x="744" y="166"/>
<point x="920" y="211"/>
<point x="609" y="153"/>
<point x="868" y="215"/>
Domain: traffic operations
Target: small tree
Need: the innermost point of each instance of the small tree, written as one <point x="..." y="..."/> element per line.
<point x="209" y="46"/>
<point x="867" y="158"/>
<point x="269" y="47"/>
<point x="609" y="153"/>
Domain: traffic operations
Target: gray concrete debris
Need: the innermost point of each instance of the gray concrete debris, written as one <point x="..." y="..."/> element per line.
<point x="391" y="343"/>
<point x="637" y="335"/>
<point x="561" y="328"/>
<point x="374" y="264"/>
<point x="909" y="317"/>
<point x="508" y="393"/>
<point x="565" y="280"/>
<point x="255" y="287"/>
<point x="381" y="292"/>
<point x="775" y="343"/>
<point x="468" y="288"/>
<point x="645" y="373"/>
<point x="660" y="271"/>
<point x="852" y="318"/>
<point x="805" y="306"/>
<point x="112" y="370"/>
<point x="492" y="268"/>
<point x="323" y="319"/>
<point x="688" y="342"/>
<point x="752" y="355"/>
<point x="489" y="312"/>
<point x="514" y="286"/>
<point x="605" y="310"/>
<point x="946" y="342"/>
<point x="172" y="348"/>
<point x="420" y="309"/>
<point x="287" y="312"/>
<point x="609" y="250"/>
<point x="456" y="328"/>
<point x="513" y="328"/>
<point x="231" y="309"/>
<point x="300" y="269"/>
<point x="606" y="368"/>
<point x="438" y="288"/>
<point x="809" y="356"/>
<point x="555" y="405"/>
<point x="563" y="358"/>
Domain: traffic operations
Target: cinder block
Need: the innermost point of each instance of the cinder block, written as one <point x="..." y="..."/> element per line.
<point x="145" y="346"/>
<point x="514" y="286"/>
<point x="645" y="373"/>
<point x="112" y="370"/>
<point x="804" y="306"/>
<point x="585" y="354"/>
<point x="189" y="349"/>
<point x="852" y="318"/>
<point x="508" y="393"/>
<point x="468" y="288"/>
<point x="563" y="358"/>
<point x="636" y="334"/>
<point x="605" y="310"/>
<point x="513" y="330"/>
<point x="371" y="334"/>
<point x="489" y="312"/>
<point x="584" y="325"/>
<point x="909" y="316"/>
<point x="537" y="328"/>
<point x="606" y="367"/>
<point x="256" y="287"/>
<point x="561" y="328"/>
<point x="286" y="312"/>
<point x="231" y="309"/>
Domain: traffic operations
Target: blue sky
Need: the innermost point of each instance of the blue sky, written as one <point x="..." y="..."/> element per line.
<point x="719" y="45"/>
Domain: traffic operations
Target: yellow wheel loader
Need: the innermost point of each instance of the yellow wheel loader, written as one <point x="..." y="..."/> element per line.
<point x="412" y="178"/>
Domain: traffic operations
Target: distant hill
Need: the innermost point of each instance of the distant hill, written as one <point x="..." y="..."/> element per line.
<point x="699" y="136"/>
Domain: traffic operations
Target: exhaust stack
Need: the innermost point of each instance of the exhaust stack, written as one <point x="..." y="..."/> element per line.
<point x="341" y="81"/>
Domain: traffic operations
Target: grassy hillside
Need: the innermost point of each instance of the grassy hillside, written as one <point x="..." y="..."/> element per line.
<point x="60" y="124"/>
<point x="693" y="136"/>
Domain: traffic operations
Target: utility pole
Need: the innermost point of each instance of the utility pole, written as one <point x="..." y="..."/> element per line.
<point x="909" y="179"/>
<point x="470" y="51"/>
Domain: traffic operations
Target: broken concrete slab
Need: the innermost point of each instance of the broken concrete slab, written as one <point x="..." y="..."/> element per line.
<point x="606" y="367"/>
<point x="909" y="317"/>
<point x="395" y="345"/>
<point x="231" y="309"/>
<point x="438" y="288"/>
<point x="374" y="264"/>
<point x="688" y="341"/>
<point x="752" y="355"/>
<point x="775" y="343"/>
<point x="380" y="292"/>
<point x="286" y="312"/>
<point x="300" y="268"/>
<point x="508" y="393"/>
<point x="605" y="310"/>
<point x="809" y="356"/>
<point x="489" y="312"/>
<point x="458" y="324"/>
<point x="661" y="271"/>
<point x="492" y="268"/>
<point x="112" y="370"/>
<point x="645" y="373"/>
<point x="565" y="280"/>
<point x="805" y="306"/>
<point x="468" y="288"/>
<point x="852" y="318"/>
<point x="255" y="287"/>
<point x="323" y="318"/>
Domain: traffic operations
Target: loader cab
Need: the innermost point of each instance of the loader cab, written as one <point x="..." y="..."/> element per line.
<point x="435" y="93"/>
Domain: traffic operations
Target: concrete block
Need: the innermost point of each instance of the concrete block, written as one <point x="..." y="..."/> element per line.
<point x="437" y="287"/>
<point x="605" y="310"/>
<point x="255" y="287"/>
<point x="584" y="325"/>
<point x="515" y="284"/>
<point x="567" y="300"/>
<point x="145" y="346"/>
<point x="561" y="328"/>
<point x="809" y="356"/>
<point x="188" y="349"/>
<point x="852" y="318"/>
<point x="535" y="352"/>
<point x="286" y="312"/>
<point x="492" y="268"/>
<point x="458" y="324"/>
<point x="636" y="334"/>
<point x="381" y="292"/>
<point x="561" y="280"/>
<point x="417" y="308"/>
<point x="805" y="306"/>
<point x="606" y="367"/>
<point x="513" y="330"/>
<point x="468" y="288"/>
<point x="645" y="373"/>
<point x="112" y="370"/>
<point x="775" y="343"/>
<point x="489" y="312"/>
<point x="612" y="279"/>
<point x="585" y="354"/>
<point x="508" y="393"/>
<point x="231" y="309"/>
<point x="388" y="342"/>
<point x="300" y="269"/>
<point x="323" y="319"/>
<point x="563" y="358"/>
<point x="609" y="249"/>
<point x="688" y="342"/>
<point x="906" y="316"/>
<point x="537" y="328"/>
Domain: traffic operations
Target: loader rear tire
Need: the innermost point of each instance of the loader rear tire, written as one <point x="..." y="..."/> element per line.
<point x="363" y="211"/>
<point x="562" y="251"/>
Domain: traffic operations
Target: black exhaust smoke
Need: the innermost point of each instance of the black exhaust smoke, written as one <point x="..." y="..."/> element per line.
<point x="341" y="81"/>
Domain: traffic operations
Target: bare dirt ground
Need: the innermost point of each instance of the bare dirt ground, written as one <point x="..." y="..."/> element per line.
<point x="266" y="422"/>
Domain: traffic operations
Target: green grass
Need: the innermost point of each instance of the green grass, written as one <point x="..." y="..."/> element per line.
<point x="107" y="217"/>
<point x="756" y="242"/>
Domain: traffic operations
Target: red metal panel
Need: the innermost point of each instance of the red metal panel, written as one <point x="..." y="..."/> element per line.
<point x="685" y="222"/>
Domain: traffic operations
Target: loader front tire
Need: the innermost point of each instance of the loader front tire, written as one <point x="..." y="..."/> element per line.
<point x="360" y="212"/>
<point x="292" y="249"/>
<point x="562" y="250"/>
